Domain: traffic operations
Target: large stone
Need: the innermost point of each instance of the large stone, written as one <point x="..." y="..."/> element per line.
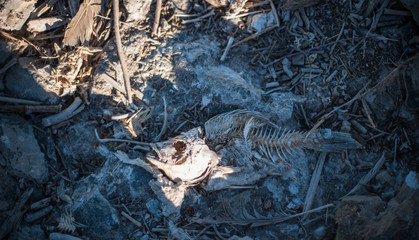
<point x="368" y="217"/>
<point x="30" y="84"/>
<point x="82" y="138"/>
<point x="28" y="232"/>
<point x="8" y="193"/>
<point x="101" y="218"/>
<point x="21" y="149"/>
<point x="114" y="180"/>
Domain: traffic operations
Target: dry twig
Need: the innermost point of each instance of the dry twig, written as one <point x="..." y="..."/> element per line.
<point x="156" y="18"/>
<point x="136" y="223"/>
<point x="229" y="43"/>
<point x="30" y="108"/>
<point x="211" y="13"/>
<point x="121" y="54"/>
<point x="106" y="140"/>
<point x="164" y="127"/>
<point x="18" y="100"/>
<point x="67" y="113"/>
<point x="364" y="180"/>
<point x="315" y="178"/>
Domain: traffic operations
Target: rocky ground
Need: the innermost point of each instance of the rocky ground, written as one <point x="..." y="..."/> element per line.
<point x="66" y="119"/>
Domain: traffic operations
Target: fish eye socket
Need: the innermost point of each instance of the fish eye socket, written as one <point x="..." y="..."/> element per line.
<point x="180" y="147"/>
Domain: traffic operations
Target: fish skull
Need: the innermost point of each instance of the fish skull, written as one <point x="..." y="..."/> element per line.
<point x="185" y="158"/>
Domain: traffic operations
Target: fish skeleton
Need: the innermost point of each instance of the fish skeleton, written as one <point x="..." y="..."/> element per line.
<point x="239" y="148"/>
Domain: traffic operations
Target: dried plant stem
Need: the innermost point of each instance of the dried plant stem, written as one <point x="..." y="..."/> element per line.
<point x="229" y="43"/>
<point x="8" y="65"/>
<point x="275" y="13"/>
<point x="378" y="16"/>
<point x="315" y="178"/>
<point x="18" y="100"/>
<point x="136" y="223"/>
<point x="329" y="114"/>
<point x="67" y="113"/>
<point x="254" y="35"/>
<point x="364" y="180"/>
<point x="336" y="42"/>
<point x="164" y="127"/>
<point x="121" y="54"/>
<point x="243" y="15"/>
<point x="211" y="13"/>
<point x="367" y="111"/>
<point x="31" y="109"/>
<point x="156" y="18"/>
<point x="106" y="140"/>
<point x="260" y="222"/>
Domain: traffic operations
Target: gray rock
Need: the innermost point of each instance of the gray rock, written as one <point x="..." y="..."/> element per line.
<point x="21" y="149"/>
<point x="61" y="236"/>
<point x="82" y="138"/>
<point x="93" y="210"/>
<point x="259" y="22"/>
<point x="153" y="206"/>
<point x="8" y="192"/>
<point x="386" y="178"/>
<point x="368" y="217"/>
<point x="118" y="179"/>
<point x="21" y="83"/>
<point x="28" y="233"/>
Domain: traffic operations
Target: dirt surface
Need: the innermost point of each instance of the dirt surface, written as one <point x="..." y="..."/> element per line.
<point x="306" y="65"/>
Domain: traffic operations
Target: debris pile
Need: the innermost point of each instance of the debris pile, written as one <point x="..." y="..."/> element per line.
<point x="209" y="119"/>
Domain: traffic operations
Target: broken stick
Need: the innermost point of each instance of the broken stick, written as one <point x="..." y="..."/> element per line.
<point x="156" y="18"/>
<point x="67" y="113"/>
<point x="121" y="54"/>
<point x="31" y="109"/>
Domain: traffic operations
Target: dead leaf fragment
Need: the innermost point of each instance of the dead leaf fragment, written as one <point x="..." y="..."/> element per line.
<point x="81" y="26"/>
